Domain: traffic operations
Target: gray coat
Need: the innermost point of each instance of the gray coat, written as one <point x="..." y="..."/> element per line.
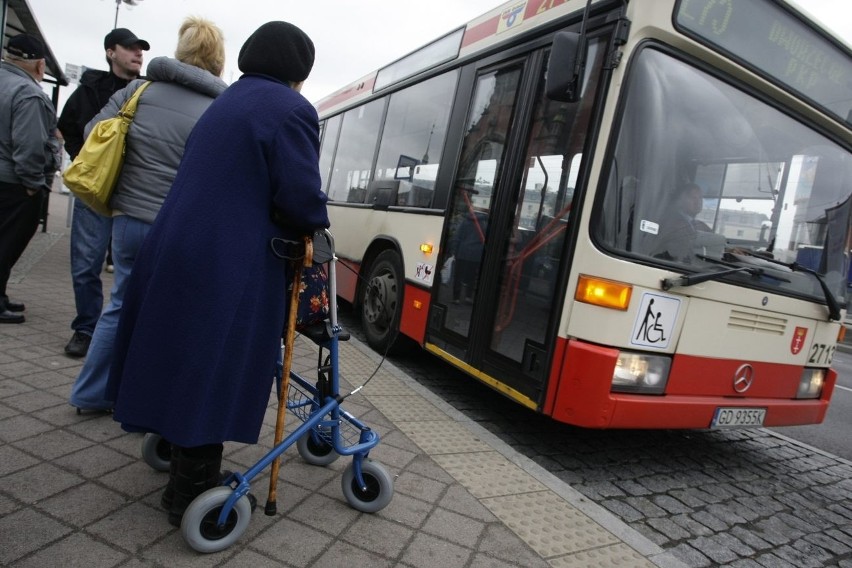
<point x="29" y="149"/>
<point x="167" y="112"/>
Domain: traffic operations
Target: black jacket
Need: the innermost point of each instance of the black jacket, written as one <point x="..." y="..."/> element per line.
<point x="94" y="91"/>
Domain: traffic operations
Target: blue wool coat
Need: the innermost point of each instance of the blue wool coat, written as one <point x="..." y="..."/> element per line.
<point x="202" y="316"/>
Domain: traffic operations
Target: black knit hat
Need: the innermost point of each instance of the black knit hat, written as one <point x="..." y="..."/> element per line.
<point x="26" y="46"/>
<point x="280" y="50"/>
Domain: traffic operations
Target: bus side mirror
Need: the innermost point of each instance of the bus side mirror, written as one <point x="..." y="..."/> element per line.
<point x="564" y="75"/>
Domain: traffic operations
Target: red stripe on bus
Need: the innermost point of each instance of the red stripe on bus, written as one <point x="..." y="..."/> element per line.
<point x="703" y="376"/>
<point x="490" y="27"/>
<point x="536" y="8"/>
<point x="480" y="31"/>
<point x="413" y="321"/>
<point x="583" y="396"/>
<point x="365" y="86"/>
<point x="347" y="279"/>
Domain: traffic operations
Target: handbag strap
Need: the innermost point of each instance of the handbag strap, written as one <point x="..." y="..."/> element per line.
<point x="128" y="109"/>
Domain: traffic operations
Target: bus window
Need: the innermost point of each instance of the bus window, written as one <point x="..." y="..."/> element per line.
<point x="413" y="137"/>
<point x="739" y="200"/>
<point x="484" y="149"/>
<point x="769" y="185"/>
<point x="330" y="130"/>
<point x="355" y="150"/>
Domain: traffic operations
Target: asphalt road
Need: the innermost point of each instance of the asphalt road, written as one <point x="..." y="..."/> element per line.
<point x="834" y="435"/>
<point x="744" y="498"/>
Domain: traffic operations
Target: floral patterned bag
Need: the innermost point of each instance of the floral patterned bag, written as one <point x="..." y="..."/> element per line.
<point x="313" y="296"/>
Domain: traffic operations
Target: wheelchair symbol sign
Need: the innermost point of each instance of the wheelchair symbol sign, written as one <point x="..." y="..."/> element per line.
<point x="655" y="321"/>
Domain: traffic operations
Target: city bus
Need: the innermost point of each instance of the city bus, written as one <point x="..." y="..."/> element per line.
<point x="619" y="214"/>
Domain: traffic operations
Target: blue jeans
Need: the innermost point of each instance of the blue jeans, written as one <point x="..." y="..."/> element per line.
<point x="89" y="389"/>
<point x="89" y="241"/>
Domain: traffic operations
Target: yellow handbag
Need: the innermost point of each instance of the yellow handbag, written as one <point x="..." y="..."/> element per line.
<point x="94" y="172"/>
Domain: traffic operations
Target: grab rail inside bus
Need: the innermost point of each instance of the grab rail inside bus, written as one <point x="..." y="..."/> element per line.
<point x="509" y="297"/>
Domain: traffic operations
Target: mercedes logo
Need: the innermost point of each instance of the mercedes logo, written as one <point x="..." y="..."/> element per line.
<point x="743" y="377"/>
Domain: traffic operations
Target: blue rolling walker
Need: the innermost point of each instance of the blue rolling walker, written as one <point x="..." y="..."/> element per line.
<point x="218" y="517"/>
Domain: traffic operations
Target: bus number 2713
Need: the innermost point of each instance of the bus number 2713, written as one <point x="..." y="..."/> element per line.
<point x="821" y="354"/>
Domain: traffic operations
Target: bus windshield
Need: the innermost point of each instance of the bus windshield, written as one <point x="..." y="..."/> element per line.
<point x="705" y="173"/>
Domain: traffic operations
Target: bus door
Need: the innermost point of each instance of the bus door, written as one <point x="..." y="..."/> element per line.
<point x="506" y="243"/>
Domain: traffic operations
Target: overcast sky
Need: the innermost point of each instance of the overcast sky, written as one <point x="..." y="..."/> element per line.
<point x="352" y="37"/>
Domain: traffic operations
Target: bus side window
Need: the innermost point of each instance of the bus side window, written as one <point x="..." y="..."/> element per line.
<point x="330" y="131"/>
<point x="356" y="147"/>
<point x="413" y="139"/>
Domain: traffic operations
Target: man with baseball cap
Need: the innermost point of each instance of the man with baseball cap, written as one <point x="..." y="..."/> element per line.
<point x="90" y="232"/>
<point x="29" y="156"/>
<point x="124" y="38"/>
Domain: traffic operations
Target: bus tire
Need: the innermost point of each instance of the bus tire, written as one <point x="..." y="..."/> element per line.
<point x="381" y="301"/>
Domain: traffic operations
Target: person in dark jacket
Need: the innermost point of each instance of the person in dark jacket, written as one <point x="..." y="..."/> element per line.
<point x="180" y="92"/>
<point x="466" y="247"/>
<point x="90" y="232"/>
<point x="29" y="152"/>
<point x="679" y="227"/>
<point x="200" y="327"/>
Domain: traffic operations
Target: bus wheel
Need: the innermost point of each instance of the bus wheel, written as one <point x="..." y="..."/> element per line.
<point x="381" y="302"/>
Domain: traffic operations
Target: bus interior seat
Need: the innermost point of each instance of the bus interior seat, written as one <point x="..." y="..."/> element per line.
<point x="356" y="195"/>
<point x="382" y="193"/>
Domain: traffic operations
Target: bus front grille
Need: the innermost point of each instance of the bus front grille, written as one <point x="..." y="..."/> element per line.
<point x="756" y="322"/>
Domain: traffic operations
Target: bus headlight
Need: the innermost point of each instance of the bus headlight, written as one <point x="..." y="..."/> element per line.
<point x="810" y="385"/>
<point x="641" y="373"/>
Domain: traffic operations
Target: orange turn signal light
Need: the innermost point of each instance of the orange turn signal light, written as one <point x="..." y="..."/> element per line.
<point x="426" y="248"/>
<point x="602" y="292"/>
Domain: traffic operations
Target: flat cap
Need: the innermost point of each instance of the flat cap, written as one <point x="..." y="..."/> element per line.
<point x="26" y="46"/>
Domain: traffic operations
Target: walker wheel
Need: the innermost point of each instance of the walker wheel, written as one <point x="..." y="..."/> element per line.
<point x="376" y="495"/>
<point x="156" y="451"/>
<point x="315" y="449"/>
<point x="199" y="528"/>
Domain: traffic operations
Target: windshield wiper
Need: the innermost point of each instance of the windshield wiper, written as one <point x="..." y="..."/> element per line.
<point x="830" y="300"/>
<point x="690" y="279"/>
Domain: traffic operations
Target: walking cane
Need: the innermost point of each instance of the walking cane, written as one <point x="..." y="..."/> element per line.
<point x="271" y="506"/>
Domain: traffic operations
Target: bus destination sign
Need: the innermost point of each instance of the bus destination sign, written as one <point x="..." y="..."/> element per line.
<point x="774" y="43"/>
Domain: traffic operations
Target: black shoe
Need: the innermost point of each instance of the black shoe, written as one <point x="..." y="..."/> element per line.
<point x="79" y="345"/>
<point x="81" y="411"/>
<point x="7" y="316"/>
<point x="15" y="306"/>
<point x="168" y="496"/>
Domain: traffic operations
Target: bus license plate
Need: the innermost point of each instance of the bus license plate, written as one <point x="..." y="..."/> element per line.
<point x="729" y="417"/>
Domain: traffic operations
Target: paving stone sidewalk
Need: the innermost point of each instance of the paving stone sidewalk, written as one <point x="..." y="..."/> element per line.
<point x="74" y="489"/>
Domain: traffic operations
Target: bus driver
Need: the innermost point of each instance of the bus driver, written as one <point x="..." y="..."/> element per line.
<point x="680" y="228"/>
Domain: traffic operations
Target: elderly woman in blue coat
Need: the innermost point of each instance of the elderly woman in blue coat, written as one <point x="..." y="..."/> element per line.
<point x="202" y="318"/>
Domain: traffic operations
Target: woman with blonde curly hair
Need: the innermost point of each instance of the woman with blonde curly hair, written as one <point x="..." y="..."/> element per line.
<point x="180" y="91"/>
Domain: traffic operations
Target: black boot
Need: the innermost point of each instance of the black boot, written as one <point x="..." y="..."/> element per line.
<point x="197" y="470"/>
<point x="169" y="491"/>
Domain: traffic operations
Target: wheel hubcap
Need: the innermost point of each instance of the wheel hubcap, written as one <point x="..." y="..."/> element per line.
<point x="372" y="490"/>
<point x="376" y="307"/>
<point x="211" y="531"/>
